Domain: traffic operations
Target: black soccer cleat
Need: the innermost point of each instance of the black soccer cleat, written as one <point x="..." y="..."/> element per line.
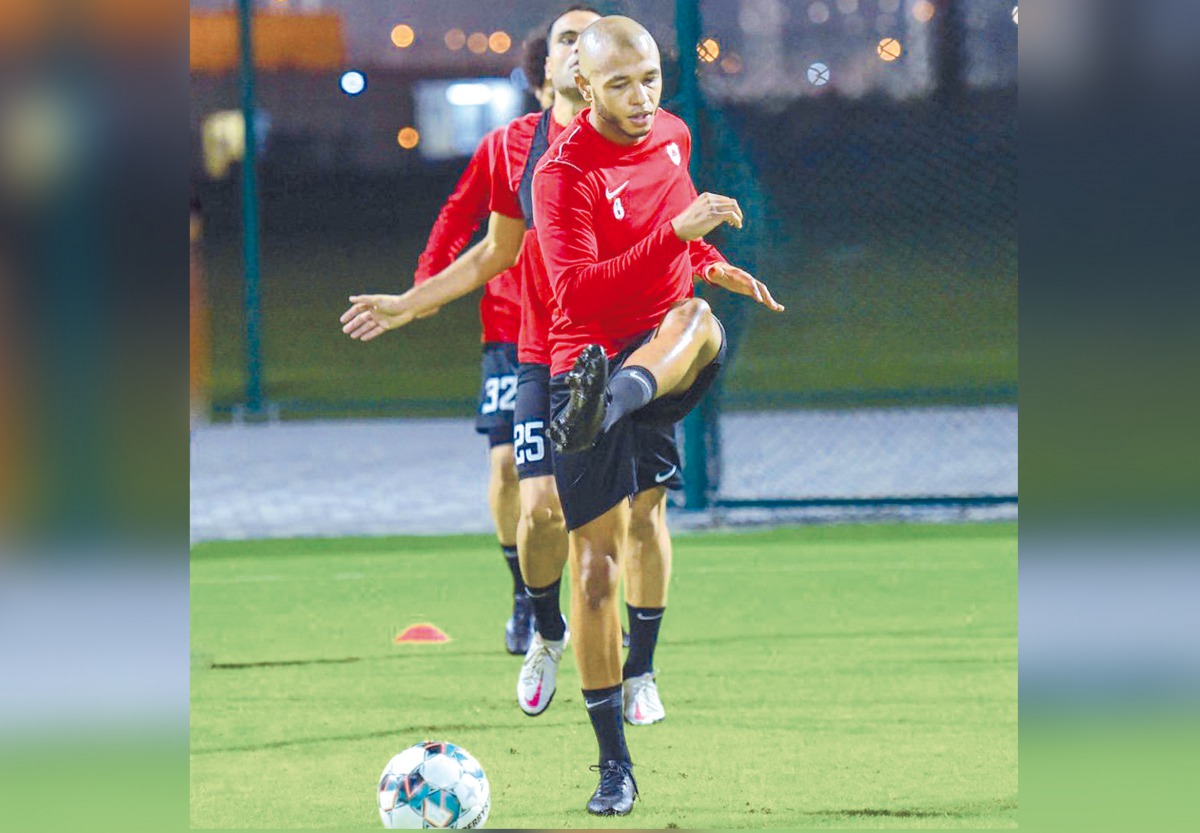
<point x="576" y="428"/>
<point x="617" y="790"/>
<point x="518" y="630"/>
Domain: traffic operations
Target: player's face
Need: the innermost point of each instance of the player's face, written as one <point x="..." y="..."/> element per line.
<point x="625" y="92"/>
<point x="562" y="58"/>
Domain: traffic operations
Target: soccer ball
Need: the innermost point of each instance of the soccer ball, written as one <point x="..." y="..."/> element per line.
<point x="433" y="784"/>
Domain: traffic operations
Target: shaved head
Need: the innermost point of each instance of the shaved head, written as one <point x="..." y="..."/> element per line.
<point x="613" y="37"/>
<point x="620" y="76"/>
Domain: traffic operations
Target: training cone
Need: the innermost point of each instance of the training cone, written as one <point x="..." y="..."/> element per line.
<point x="423" y="633"/>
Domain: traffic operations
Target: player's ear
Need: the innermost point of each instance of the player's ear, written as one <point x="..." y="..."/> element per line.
<point x="546" y="70"/>
<point x="585" y="89"/>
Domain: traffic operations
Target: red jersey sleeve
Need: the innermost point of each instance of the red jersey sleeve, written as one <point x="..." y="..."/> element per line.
<point x="703" y="255"/>
<point x="464" y="210"/>
<point x="585" y="286"/>
<point x="508" y="164"/>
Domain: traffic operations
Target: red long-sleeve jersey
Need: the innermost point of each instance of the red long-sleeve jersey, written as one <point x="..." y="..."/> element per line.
<point x="537" y="299"/>
<point x="603" y="216"/>
<point x="464" y="210"/>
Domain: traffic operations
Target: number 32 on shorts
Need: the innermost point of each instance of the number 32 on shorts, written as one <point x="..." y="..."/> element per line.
<point x="529" y="445"/>
<point x="500" y="394"/>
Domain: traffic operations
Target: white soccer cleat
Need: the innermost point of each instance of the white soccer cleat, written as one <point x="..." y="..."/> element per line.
<point x="642" y="706"/>
<point x="539" y="673"/>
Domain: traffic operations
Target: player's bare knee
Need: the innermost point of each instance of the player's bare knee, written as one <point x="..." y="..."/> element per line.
<point x="543" y="517"/>
<point x="644" y="521"/>
<point x="598" y="578"/>
<point x="504" y="466"/>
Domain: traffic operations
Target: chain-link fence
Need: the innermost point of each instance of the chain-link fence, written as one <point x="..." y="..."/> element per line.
<point x="884" y="212"/>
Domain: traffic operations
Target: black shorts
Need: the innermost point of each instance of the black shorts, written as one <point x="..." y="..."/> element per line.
<point x="497" y="393"/>
<point x="531" y="446"/>
<point x="638" y="453"/>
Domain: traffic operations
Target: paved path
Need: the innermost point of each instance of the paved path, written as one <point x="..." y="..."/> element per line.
<point x="399" y="476"/>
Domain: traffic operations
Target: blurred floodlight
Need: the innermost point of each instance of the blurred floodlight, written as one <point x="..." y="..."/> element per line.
<point x="818" y="74"/>
<point x="708" y="50"/>
<point x="40" y="140"/>
<point x="847" y="6"/>
<point x="889" y="6"/>
<point x="468" y="94"/>
<point x="477" y="43"/>
<point x="353" y="82"/>
<point x="408" y="138"/>
<point x="732" y="63"/>
<point x="1014" y="13"/>
<point x="888" y="50"/>
<point x="403" y="36"/>
<point x="455" y="39"/>
<point x="922" y="11"/>
<point x="499" y="42"/>
<point x="818" y="13"/>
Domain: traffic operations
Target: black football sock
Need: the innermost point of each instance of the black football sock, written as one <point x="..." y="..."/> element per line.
<point x="514" y="567"/>
<point x="604" y="708"/>
<point x="643" y="636"/>
<point x="628" y="389"/>
<point x="547" y="615"/>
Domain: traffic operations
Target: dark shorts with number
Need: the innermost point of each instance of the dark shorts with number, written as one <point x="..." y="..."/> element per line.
<point x="497" y="393"/>
<point x="638" y="453"/>
<point x="531" y="446"/>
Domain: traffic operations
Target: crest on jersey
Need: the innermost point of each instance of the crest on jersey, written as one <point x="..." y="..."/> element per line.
<point x="673" y="152"/>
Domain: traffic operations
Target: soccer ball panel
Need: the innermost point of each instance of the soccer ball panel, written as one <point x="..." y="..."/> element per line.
<point x="442" y="772"/>
<point x="403" y="817"/>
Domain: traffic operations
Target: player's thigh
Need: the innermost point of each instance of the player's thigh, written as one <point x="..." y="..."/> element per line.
<point x="531" y="416"/>
<point x="497" y="392"/>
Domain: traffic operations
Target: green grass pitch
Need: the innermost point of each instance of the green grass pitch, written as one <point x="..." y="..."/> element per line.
<point x="851" y="676"/>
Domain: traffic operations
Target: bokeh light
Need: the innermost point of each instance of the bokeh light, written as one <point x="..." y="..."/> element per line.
<point x="818" y="13"/>
<point x="731" y="64"/>
<point x="847" y="6"/>
<point x="408" y="138"/>
<point x="455" y="39"/>
<point x="708" y="50"/>
<point x="888" y="50"/>
<point x="889" y="6"/>
<point x="477" y="43"/>
<point x="499" y="42"/>
<point x="353" y="82"/>
<point x="818" y="74"/>
<point x="922" y="11"/>
<point x="403" y="36"/>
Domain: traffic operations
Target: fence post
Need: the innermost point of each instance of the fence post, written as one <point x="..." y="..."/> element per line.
<point x="688" y="103"/>
<point x="251" y="300"/>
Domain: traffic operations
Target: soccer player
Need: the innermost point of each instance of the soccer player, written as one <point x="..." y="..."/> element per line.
<point x="620" y="228"/>
<point x="489" y="188"/>
<point x="499" y="313"/>
<point x="541" y="534"/>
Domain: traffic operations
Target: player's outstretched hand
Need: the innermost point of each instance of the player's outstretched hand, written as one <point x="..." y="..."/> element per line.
<point x="371" y="316"/>
<point x="742" y="282"/>
<point x="706" y="213"/>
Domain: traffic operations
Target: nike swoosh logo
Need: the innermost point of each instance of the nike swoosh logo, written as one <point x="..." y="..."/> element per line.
<point x="663" y="477"/>
<point x="610" y="195"/>
<point x="537" y="697"/>
<point x="649" y="618"/>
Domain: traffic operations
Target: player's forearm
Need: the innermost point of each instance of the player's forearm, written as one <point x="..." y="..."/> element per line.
<point x="480" y="264"/>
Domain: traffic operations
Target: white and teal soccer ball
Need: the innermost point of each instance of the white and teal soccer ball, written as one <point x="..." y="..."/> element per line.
<point x="433" y="784"/>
